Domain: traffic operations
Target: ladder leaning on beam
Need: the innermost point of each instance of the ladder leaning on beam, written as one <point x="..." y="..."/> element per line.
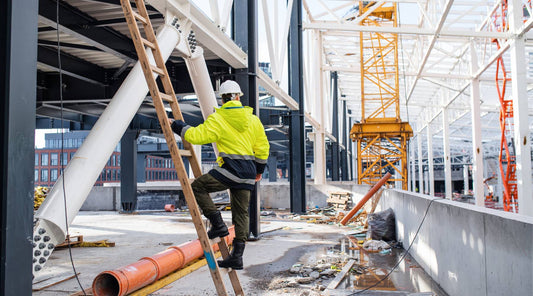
<point x="169" y="96"/>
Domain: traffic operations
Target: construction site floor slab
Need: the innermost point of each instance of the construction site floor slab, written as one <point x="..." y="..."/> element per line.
<point x="287" y="242"/>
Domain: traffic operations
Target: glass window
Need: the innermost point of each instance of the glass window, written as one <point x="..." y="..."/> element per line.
<point x="36" y="178"/>
<point x="36" y="159"/>
<point x="54" y="159"/>
<point x="118" y="160"/>
<point x="69" y="143"/>
<point x="44" y="175"/>
<point x="64" y="159"/>
<point x="44" y="160"/>
<point x="103" y="175"/>
<point x="108" y="175"/>
<point x="72" y="155"/>
<point x="53" y="175"/>
<point x="118" y="175"/>
<point x="113" y="157"/>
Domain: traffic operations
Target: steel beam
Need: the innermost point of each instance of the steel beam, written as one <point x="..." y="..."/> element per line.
<point x="128" y="169"/>
<point x="105" y="39"/>
<point x="18" y="56"/>
<point x="335" y="127"/>
<point x="245" y="34"/>
<point x="297" y="120"/>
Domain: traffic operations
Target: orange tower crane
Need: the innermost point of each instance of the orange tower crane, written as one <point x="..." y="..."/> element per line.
<point x="381" y="135"/>
<point x="507" y="157"/>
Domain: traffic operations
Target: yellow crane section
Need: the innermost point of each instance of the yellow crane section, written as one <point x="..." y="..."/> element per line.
<point x="381" y="135"/>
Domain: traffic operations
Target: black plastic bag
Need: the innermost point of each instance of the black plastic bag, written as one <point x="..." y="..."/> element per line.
<point x="382" y="225"/>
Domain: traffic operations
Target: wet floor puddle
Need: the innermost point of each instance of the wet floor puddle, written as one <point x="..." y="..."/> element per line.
<point x="371" y="269"/>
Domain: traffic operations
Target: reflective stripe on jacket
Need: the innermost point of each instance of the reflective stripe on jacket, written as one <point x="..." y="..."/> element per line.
<point x="241" y="141"/>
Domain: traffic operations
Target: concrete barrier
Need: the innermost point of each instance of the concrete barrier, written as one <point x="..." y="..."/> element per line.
<point x="466" y="249"/>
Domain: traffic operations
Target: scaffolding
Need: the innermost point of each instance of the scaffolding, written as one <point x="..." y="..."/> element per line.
<point x="381" y="135"/>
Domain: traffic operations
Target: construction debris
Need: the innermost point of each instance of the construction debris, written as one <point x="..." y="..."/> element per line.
<point x="375" y="245"/>
<point x="340" y="201"/>
<point x="38" y="196"/>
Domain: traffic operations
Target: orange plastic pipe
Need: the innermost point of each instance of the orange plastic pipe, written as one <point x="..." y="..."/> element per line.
<point x="363" y="201"/>
<point x="147" y="270"/>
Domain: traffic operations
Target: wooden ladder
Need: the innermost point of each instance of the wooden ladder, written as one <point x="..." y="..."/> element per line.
<point x="159" y="98"/>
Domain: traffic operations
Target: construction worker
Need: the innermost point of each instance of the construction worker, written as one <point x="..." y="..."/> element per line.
<point x="243" y="152"/>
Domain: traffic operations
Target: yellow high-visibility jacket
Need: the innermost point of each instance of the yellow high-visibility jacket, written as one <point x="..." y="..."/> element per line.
<point x="241" y="141"/>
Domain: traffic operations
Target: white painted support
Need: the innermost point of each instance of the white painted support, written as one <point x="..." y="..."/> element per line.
<point x="447" y="156"/>
<point x="431" y="176"/>
<point x="465" y="179"/>
<point x="320" y="141"/>
<point x="85" y="167"/>
<point x="520" y="109"/>
<point x="413" y="171"/>
<point x="420" y="164"/>
<point x="201" y="83"/>
<point x="477" y="153"/>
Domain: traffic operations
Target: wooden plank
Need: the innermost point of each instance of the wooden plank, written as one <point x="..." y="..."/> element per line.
<point x="340" y="276"/>
<point x="51" y="282"/>
<point x="88" y="292"/>
<point x="166" y="98"/>
<point x="169" y="279"/>
<point x="139" y="17"/>
<point x="375" y="202"/>
<point x="157" y="70"/>
<point x="148" y="43"/>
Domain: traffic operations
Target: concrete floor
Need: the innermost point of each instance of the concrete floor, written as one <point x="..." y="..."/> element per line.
<point x="267" y="260"/>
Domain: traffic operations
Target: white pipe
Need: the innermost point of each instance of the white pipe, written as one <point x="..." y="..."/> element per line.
<point x="84" y="168"/>
<point x="201" y="82"/>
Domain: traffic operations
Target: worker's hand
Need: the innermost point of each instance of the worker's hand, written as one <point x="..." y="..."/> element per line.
<point x="171" y="120"/>
<point x="177" y="126"/>
<point x="258" y="177"/>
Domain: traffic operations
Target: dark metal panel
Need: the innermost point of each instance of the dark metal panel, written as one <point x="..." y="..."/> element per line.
<point x="344" y="152"/>
<point x="335" y="128"/>
<point x="272" y="167"/>
<point x="18" y="59"/>
<point x="72" y="66"/>
<point x="297" y="124"/>
<point x="78" y="21"/>
<point x="128" y="171"/>
<point x="245" y="35"/>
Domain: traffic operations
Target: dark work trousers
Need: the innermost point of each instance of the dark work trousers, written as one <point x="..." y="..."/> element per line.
<point x="240" y="199"/>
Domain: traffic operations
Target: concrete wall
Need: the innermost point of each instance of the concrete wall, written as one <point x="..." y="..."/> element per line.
<point x="276" y="195"/>
<point x="466" y="249"/>
<point x="102" y="199"/>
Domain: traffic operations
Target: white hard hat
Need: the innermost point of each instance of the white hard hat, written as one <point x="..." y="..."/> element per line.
<point x="230" y="87"/>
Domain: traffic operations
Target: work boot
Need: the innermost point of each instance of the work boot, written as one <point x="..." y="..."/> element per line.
<point x="218" y="227"/>
<point x="235" y="259"/>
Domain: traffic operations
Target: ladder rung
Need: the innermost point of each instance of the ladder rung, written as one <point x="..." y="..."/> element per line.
<point x="185" y="153"/>
<point x="139" y="17"/>
<point x="166" y="98"/>
<point x="148" y="43"/>
<point x="157" y="70"/>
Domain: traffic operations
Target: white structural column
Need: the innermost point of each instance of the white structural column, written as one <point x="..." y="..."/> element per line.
<point x="465" y="179"/>
<point x="431" y="175"/>
<point x="413" y="170"/>
<point x="447" y="158"/>
<point x="420" y="166"/>
<point x="475" y="101"/>
<point x="520" y="109"/>
<point x="320" y="139"/>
